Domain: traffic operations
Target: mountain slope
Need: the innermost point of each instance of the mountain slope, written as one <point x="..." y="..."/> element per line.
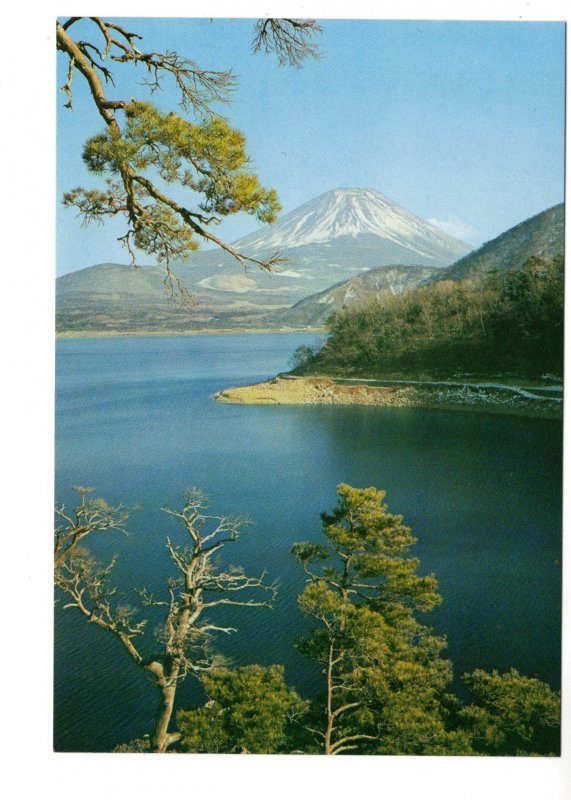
<point x="332" y="237"/>
<point x="120" y="298"/>
<point x="542" y="235"/>
<point x="448" y="326"/>
<point x="374" y="284"/>
<point x="111" y="282"/>
<point x="329" y="239"/>
<point x="449" y="329"/>
<point x="356" y="213"/>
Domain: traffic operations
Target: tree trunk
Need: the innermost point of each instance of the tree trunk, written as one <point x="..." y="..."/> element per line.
<point x="162" y="739"/>
<point x="330" y="717"/>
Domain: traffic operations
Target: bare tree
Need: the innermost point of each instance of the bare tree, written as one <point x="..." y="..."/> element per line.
<point x="90" y="516"/>
<point x="185" y="634"/>
<point x="207" y="157"/>
<point x="289" y="39"/>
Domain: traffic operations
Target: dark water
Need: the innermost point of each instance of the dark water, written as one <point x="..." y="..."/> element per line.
<point x="135" y="419"/>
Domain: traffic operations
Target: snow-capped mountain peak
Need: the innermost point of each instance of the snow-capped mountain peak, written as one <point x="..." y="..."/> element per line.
<point x="353" y="213"/>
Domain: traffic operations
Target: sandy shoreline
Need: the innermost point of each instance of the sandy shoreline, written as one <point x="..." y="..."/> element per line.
<point x="170" y="333"/>
<point x="289" y="390"/>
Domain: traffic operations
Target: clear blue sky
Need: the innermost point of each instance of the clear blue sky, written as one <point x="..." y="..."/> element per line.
<point x="462" y="123"/>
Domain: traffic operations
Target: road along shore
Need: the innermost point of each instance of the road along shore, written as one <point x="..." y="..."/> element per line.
<point x="492" y="398"/>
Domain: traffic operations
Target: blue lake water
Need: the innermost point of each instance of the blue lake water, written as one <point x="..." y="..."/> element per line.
<point x="136" y="420"/>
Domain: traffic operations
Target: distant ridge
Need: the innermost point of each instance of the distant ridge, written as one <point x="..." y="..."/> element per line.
<point x="333" y="237"/>
<point x="542" y="235"/>
<point x="374" y="284"/>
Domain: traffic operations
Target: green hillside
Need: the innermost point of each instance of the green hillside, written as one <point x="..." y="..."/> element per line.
<point x="512" y="325"/>
<point x="372" y="284"/>
<point x="542" y="235"/>
<point x="496" y="311"/>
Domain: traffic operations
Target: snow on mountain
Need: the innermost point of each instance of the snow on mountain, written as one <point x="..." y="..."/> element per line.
<point x="355" y="213"/>
<point x="374" y="284"/>
<point x="330" y="239"/>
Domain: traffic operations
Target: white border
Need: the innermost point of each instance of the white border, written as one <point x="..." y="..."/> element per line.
<point x="28" y="147"/>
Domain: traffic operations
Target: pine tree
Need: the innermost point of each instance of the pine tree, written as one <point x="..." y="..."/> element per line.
<point x="248" y="710"/>
<point x="171" y="176"/>
<point x="511" y="715"/>
<point x="384" y="674"/>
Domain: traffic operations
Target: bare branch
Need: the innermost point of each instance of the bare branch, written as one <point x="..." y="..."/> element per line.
<point x="341" y="744"/>
<point x="70" y="22"/>
<point x="185" y="634"/>
<point x="90" y="516"/>
<point x="176" y="557"/>
<point x="149" y="600"/>
<point x="226" y="602"/>
<point x="166" y="228"/>
<point x="344" y="708"/>
<point x="197" y="88"/>
<point x="289" y="39"/>
<point x="208" y="628"/>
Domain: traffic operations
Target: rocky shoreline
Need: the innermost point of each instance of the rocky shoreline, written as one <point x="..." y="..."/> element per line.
<point x="492" y="398"/>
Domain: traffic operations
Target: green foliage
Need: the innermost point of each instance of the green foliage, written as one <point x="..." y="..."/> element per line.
<point x="384" y="674"/>
<point x="145" y="150"/>
<point x="249" y="710"/>
<point x="529" y="311"/>
<point x="384" y="677"/>
<point x="511" y="321"/>
<point x="207" y="158"/>
<point x="372" y="546"/>
<point x="302" y="356"/>
<point x="511" y="715"/>
<point x="134" y="746"/>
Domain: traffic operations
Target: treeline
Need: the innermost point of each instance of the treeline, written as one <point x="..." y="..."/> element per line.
<point x="511" y="322"/>
<point x="385" y="681"/>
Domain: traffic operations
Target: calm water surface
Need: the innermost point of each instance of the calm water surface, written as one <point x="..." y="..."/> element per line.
<point x="136" y="420"/>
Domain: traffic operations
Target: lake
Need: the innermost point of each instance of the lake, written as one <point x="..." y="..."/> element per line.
<point x="136" y="420"/>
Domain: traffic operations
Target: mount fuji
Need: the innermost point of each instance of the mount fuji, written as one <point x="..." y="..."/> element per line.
<point x="357" y="213"/>
<point x="331" y="238"/>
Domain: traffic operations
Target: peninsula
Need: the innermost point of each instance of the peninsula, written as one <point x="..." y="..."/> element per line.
<point x="534" y="401"/>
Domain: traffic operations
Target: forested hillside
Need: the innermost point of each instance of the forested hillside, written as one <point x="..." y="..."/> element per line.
<point x="510" y="322"/>
<point x="542" y="235"/>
